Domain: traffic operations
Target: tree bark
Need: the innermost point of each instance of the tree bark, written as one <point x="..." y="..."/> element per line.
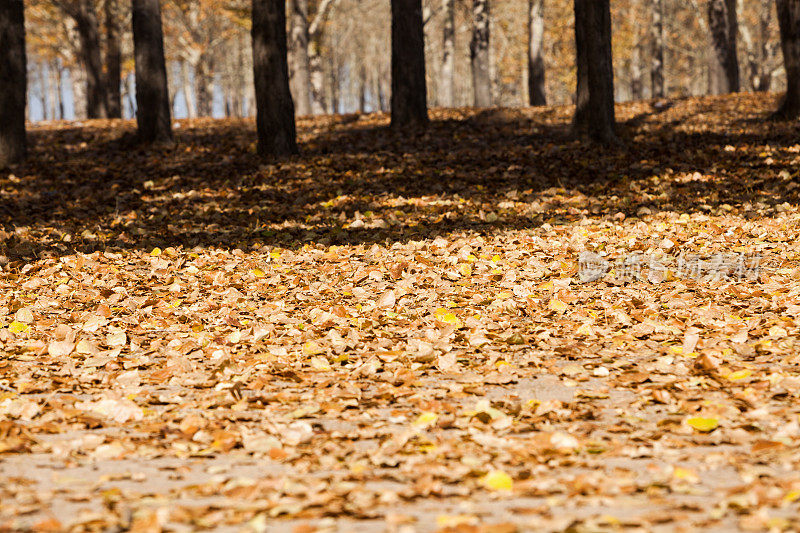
<point x="657" y="34"/>
<point x="113" y="60"/>
<point x="448" y="96"/>
<point x="723" y="26"/>
<point x="275" y="108"/>
<point x="789" y="23"/>
<point x="152" y="94"/>
<point x="595" y="92"/>
<point x="13" y="82"/>
<point x="637" y="83"/>
<point x="409" y="92"/>
<point x="479" y="54"/>
<point x="536" y="88"/>
<point x="204" y="85"/>
<point x="188" y="94"/>
<point x="83" y="13"/>
<point x="301" y="69"/>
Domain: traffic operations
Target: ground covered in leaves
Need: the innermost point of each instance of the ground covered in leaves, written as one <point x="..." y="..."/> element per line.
<point x="390" y="332"/>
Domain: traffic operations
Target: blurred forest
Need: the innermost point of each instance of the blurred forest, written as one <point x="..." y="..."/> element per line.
<point x="347" y="44"/>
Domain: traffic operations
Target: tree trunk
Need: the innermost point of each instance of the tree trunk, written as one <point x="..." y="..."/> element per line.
<point x="301" y="69"/>
<point x="595" y="110"/>
<point x="479" y="54"/>
<point x="448" y="82"/>
<point x="79" y="102"/>
<point x="409" y="92"/>
<point x="13" y="82"/>
<point x="657" y="33"/>
<point x="188" y="94"/>
<point x="275" y="108"/>
<point x="86" y="24"/>
<point x="637" y="83"/>
<point x="536" y="91"/>
<point x="789" y="23"/>
<point x="152" y="94"/>
<point x="55" y="69"/>
<point x="113" y="60"/>
<point x="204" y="85"/>
<point x="723" y="26"/>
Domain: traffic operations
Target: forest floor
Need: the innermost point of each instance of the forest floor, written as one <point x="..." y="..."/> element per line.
<point x="394" y="333"/>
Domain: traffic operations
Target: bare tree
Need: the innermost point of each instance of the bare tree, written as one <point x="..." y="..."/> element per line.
<point x="277" y="134"/>
<point x="299" y="41"/>
<point x="789" y="23"/>
<point x="152" y="94"/>
<point x="657" y="35"/>
<point x="536" y="90"/>
<point x="85" y="17"/>
<point x="113" y="59"/>
<point x="13" y="82"/>
<point x="595" y="93"/>
<point x="723" y="26"/>
<point x="479" y="54"/>
<point x="409" y="92"/>
<point x="448" y="96"/>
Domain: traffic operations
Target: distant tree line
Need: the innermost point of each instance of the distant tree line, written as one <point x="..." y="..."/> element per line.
<point x="292" y="58"/>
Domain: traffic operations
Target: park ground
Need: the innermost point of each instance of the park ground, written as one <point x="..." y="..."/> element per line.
<point x="390" y="333"/>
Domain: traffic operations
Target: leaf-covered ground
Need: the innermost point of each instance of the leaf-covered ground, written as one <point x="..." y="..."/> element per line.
<point x="389" y="333"/>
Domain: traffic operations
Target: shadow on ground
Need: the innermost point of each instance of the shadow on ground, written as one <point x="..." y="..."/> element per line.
<point x="86" y="188"/>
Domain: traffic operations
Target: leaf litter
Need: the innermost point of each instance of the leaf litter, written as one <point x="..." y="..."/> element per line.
<point x="389" y="332"/>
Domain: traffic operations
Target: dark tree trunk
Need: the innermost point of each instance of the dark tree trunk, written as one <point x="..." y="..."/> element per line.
<point x="789" y="22"/>
<point x="448" y="95"/>
<point x="595" y="94"/>
<point x="479" y="54"/>
<point x="275" y="109"/>
<point x="536" y="94"/>
<point x="113" y="60"/>
<point x="13" y="82"/>
<point x="152" y="94"/>
<point x="657" y="32"/>
<point x="724" y="27"/>
<point x="409" y="92"/>
<point x="301" y="69"/>
<point x="86" y="23"/>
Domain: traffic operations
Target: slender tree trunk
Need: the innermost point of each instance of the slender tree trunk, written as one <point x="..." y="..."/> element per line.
<point x="152" y="93"/>
<point x="763" y="71"/>
<point x="536" y="88"/>
<point x="479" y="54"/>
<point x="275" y="109"/>
<point x="657" y="34"/>
<point x="637" y="84"/>
<point x="595" y="111"/>
<point x="96" y="86"/>
<point x="204" y="85"/>
<point x="13" y="82"/>
<point x="58" y="81"/>
<point x="41" y="79"/>
<point x="789" y="23"/>
<point x="409" y="92"/>
<point x="79" y="101"/>
<point x="188" y="94"/>
<point x="301" y="69"/>
<point x="448" y="81"/>
<point x="113" y="60"/>
<point x="362" y="89"/>
<point x="723" y="26"/>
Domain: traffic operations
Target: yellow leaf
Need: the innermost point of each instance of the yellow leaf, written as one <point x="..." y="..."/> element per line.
<point x="498" y="480"/>
<point x="156" y="252"/>
<point x="739" y="374"/>
<point x="446" y="316"/>
<point x="257" y="272"/>
<point x="704" y="425"/>
<point x="312" y="348"/>
<point x="426" y="419"/>
<point x="18" y="327"/>
<point x="557" y="305"/>
<point x="465" y="270"/>
<point x="792" y="496"/>
<point x="320" y="363"/>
